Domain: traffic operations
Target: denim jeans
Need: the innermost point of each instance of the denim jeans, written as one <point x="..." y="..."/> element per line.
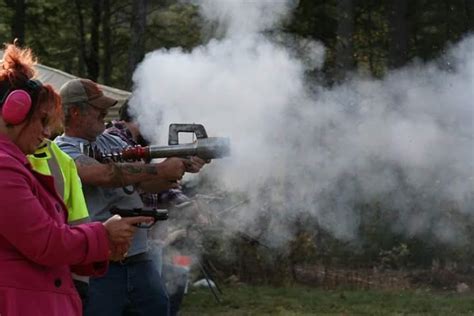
<point x="175" y="279"/>
<point x="83" y="290"/>
<point x="133" y="288"/>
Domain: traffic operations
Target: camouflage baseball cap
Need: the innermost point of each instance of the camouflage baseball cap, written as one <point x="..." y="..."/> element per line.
<point x="85" y="90"/>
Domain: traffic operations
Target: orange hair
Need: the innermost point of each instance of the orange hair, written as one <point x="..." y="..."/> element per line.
<point x="16" y="68"/>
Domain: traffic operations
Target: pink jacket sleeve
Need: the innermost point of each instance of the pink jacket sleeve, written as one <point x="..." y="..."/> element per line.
<point x="35" y="232"/>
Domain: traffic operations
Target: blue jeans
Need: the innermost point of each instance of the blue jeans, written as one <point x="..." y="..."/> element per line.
<point x="133" y="288"/>
<point x="176" y="279"/>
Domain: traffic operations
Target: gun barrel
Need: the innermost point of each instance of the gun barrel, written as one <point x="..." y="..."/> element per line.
<point x="205" y="148"/>
<point x="157" y="214"/>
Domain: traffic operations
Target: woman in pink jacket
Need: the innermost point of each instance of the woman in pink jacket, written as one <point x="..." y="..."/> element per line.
<point x="38" y="250"/>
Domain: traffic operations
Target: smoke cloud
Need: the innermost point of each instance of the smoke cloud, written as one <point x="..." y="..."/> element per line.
<point x="302" y="149"/>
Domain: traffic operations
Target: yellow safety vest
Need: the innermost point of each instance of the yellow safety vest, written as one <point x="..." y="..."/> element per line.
<point x="49" y="159"/>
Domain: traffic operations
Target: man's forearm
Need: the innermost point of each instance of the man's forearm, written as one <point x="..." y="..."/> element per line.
<point x="92" y="172"/>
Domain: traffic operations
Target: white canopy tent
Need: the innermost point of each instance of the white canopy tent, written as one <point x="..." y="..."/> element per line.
<point x="57" y="78"/>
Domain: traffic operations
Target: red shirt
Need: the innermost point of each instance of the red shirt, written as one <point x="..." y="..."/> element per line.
<point x="38" y="250"/>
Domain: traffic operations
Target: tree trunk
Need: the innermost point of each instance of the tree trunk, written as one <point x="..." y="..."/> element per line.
<point x="137" y="40"/>
<point x="344" y="46"/>
<point x="398" y="48"/>
<point x="415" y="29"/>
<point x="18" y="21"/>
<point x="89" y="54"/>
<point x="469" y="4"/>
<point x="370" y="41"/>
<point x="447" y="22"/>
<point x="106" y="35"/>
<point x="82" y="39"/>
<point x="93" y="58"/>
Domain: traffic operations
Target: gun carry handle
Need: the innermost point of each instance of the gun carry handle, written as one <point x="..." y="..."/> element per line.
<point x="175" y="129"/>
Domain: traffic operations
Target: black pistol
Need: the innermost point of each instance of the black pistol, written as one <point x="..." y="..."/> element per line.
<point x="156" y="214"/>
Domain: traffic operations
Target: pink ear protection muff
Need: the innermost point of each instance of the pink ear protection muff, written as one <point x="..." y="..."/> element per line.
<point x="16" y="104"/>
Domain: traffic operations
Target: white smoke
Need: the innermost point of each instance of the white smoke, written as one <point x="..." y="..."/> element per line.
<point x="243" y="18"/>
<point x="406" y="140"/>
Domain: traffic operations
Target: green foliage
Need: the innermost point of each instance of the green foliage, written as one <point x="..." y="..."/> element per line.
<point x="47" y="18"/>
<point x="437" y="22"/>
<point x="52" y="30"/>
<point x="395" y="258"/>
<point x="303" y="248"/>
<point x="174" y="26"/>
<point x="431" y="25"/>
<point x="370" y="38"/>
<point x="5" y="23"/>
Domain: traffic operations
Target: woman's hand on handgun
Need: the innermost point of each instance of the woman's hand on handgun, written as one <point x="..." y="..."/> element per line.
<point x="121" y="229"/>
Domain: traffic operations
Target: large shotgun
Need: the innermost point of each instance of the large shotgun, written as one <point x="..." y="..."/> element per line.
<point x="204" y="147"/>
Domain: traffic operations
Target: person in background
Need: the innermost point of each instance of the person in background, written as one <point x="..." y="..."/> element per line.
<point x="128" y="130"/>
<point x="131" y="285"/>
<point x="174" y="278"/>
<point x="48" y="159"/>
<point x="38" y="250"/>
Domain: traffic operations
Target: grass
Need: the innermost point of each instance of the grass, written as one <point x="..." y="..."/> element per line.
<point x="299" y="300"/>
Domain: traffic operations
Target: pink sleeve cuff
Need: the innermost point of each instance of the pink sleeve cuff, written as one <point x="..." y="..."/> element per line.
<point x="97" y="242"/>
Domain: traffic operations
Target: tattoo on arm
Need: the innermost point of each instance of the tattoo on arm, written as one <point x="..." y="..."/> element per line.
<point x="137" y="169"/>
<point x="149" y="169"/>
<point x="114" y="173"/>
<point x="131" y="169"/>
<point x="86" y="161"/>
